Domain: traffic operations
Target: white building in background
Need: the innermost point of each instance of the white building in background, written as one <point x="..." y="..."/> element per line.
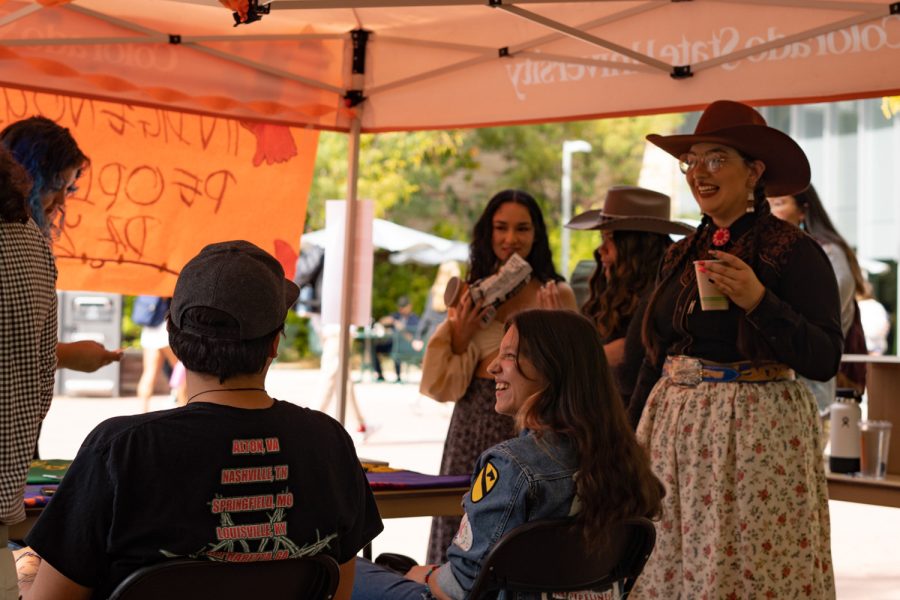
<point x="854" y="151"/>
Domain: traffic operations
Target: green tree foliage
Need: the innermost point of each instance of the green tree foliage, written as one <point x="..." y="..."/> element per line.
<point x="393" y="281"/>
<point x="533" y="156"/>
<point x="403" y="173"/>
<point x="439" y="182"/>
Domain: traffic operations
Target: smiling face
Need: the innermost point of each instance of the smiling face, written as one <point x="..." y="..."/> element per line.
<point x="512" y="231"/>
<point x="515" y="376"/>
<point x="722" y="193"/>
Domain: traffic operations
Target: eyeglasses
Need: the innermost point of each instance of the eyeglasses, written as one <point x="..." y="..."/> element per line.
<point x="712" y="162"/>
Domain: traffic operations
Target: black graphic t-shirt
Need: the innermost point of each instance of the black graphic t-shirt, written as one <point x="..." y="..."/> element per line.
<point x="211" y="482"/>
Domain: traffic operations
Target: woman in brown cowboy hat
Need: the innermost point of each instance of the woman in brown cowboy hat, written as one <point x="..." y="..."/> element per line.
<point x="731" y="433"/>
<point x="635" y="226"/>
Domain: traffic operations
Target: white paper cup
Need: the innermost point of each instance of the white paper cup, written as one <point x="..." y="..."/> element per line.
<point x="874" y="442"/>
<point x="711" y="297"/>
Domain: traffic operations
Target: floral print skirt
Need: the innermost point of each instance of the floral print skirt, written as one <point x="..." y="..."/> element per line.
<point x="746" y="507"/>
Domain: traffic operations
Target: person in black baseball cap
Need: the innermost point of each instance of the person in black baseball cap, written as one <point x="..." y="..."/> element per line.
<point x="234" y="475"/>
<point x="228" y="308"/>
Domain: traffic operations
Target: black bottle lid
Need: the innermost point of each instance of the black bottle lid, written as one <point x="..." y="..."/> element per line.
<point x="848" y="393"/>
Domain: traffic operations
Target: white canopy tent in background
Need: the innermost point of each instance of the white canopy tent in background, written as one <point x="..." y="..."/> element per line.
<point x="388" y="65"/>
<point x="405" y="244"/>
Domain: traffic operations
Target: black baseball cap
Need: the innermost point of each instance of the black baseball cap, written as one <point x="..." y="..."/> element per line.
<point x="239" y="279"/>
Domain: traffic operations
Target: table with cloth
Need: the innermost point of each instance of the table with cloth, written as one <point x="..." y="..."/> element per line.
<point x="398" y="493"/>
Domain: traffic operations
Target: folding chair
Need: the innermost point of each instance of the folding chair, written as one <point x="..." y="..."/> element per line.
<point x="308" y="578"/>
<point x="550" y="556"/>
<point x="402" y="352"/>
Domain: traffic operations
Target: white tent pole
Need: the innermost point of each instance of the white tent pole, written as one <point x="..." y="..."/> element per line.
<point x="432" y="73"/>
<point x="91" y="41"/>
<point x="601" y="22"/>
<point x="578" y="34"/>
<point x="812" y="4"/>
<point x="354" y="99"/>
<point x="326" y="4"/>
<point x="790" y="39"/>
<point x="263" y="68"/>
<point x="350" y="219"/>
<point x="161" y="38"/>
<point x="19" y="14"/>
<point x="112" y="20"/>
<point x="575" y="60"/>
<point x="488" y="54"/>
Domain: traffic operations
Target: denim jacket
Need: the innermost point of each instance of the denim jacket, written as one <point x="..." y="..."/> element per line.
<point x="523" y="479"/>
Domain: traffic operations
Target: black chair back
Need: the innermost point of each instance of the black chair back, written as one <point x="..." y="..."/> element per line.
<point x="308" y="578"/>
<point x="550" y="556"/>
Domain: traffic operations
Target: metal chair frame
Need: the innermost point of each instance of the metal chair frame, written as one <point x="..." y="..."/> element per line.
<point x="307" y="578"/>
<point x="551" y="556"/>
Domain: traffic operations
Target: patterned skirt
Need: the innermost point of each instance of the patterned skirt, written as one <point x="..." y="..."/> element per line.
<point x="746" y="507"/>
<point x="474" y="427"/>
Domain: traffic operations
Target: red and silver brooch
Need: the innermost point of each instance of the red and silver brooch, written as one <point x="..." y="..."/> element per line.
<point x="721" y="237"/>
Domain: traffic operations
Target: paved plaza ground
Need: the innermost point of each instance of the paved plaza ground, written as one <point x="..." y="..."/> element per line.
<point x="408" y="430"/>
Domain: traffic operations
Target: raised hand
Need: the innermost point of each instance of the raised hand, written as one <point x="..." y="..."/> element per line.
<point x="735" y="278"/>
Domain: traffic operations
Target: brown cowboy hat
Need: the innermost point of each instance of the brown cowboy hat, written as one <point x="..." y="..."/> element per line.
<point x="630" y="208"/>
<point x="740" y="127"/>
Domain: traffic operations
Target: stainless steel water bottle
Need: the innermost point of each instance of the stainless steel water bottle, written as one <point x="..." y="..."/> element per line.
<point x="844" y="435"/>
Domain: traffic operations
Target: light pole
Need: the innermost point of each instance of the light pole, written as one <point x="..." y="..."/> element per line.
<point x="569" y="148"/>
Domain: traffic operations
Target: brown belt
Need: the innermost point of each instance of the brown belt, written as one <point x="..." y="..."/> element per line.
<point x="686" y="370"/>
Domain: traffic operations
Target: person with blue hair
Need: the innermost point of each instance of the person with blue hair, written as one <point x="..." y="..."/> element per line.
<point x="53" y="160"/>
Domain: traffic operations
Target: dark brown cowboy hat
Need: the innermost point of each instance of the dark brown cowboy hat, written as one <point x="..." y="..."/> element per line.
<point x="740" y="127"/>
<point x="629" y="208"/>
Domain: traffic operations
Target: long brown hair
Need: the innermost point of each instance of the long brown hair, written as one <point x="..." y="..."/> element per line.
<point x="638" y="254"/>
<point x="483" y="261"/>
<point x="580" y="402"/>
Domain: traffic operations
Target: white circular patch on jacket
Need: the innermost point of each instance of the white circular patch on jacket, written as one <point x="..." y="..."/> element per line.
<point x="463" y="537"/>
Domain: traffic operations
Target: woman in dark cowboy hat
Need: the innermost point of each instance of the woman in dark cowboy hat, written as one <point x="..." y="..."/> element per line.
<point x="731" y="433"/>
<point x="635" y="226"/>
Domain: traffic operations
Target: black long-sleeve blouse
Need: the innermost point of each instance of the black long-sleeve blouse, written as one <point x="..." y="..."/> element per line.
<point x="796" y="323"/>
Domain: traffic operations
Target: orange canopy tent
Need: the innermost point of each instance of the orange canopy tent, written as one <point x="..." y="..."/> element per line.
<point x="388" y="65"/>
<point x="430" y="64"/>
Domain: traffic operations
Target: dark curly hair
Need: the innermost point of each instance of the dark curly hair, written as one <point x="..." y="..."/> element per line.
<point x="15" y="184"/>
<point x="614" y="300"/>
<point x="46" y="150"/>
<point x="580" y="402"/>
<point x="222" y="358"/>
<point x="482" y="260"/>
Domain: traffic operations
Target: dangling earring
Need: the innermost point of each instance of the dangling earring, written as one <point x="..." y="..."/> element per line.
<point x="751" y="202"/>
<point x="802" y="224"/>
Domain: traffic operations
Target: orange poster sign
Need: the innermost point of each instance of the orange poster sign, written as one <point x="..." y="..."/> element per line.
<point x="163" y="184"/>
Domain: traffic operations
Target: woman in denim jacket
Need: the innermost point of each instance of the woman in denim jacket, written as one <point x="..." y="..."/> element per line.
<point x="575" y="455"/>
